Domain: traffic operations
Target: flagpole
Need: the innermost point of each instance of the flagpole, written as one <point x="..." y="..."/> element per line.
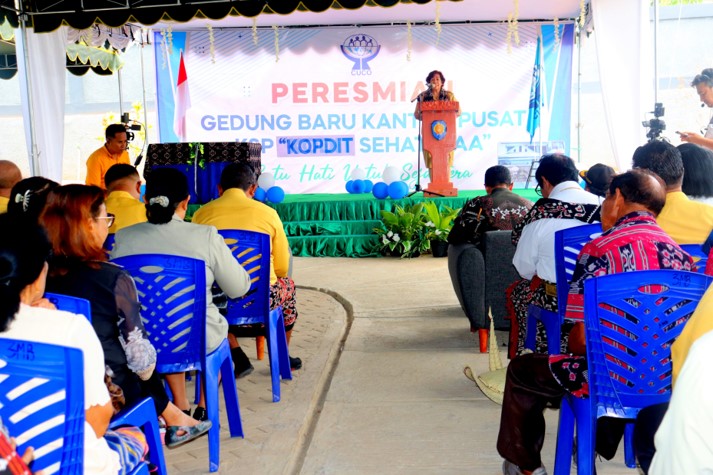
<point x="539" y="87"/>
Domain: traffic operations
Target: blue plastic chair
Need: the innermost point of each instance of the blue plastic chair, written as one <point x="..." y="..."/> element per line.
<point x="59" y="374"/>
<point x="71" y="304"/>
<point x="173" y="308"/>
<point x="143" y="415"/>
<point x="631" y="321"/>
<point x="699" y="256"/>
<point x="568" y="243"/>
<point x="252" y="251"/>
<point x="109" y="242"/>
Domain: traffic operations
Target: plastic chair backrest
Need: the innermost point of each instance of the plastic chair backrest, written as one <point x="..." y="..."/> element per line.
<point x="71" y="304"/>
<point x="48" y="413"/>
<point x="568" y="243"/>
<point x="631" y="321"/>
<point x="699" y="257"/>
<point x="252" y="250"/>
<point x="109" y="242"/>
<point x="173" y="307"/>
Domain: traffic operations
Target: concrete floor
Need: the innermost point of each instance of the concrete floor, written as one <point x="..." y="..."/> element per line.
<point x="384" y="344"/>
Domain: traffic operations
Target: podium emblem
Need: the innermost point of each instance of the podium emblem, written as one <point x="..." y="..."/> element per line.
<point x="439" y="129"/>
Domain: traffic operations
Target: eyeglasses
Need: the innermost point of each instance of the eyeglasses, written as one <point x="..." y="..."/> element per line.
<point x="109" y="219"/>
<point x="538" y="190"/>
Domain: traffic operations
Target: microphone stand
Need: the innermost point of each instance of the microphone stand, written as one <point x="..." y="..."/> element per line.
<point x="417" y="187"/>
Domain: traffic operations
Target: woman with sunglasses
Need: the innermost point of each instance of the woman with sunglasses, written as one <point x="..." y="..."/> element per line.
<point x="77" y="224"/>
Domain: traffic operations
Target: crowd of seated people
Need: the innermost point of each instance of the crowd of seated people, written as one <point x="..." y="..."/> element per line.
<point x="645" y="217"/>
<point x="57" y="245"/>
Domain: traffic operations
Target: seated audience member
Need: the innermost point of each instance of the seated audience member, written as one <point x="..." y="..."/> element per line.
<point x="236" y="209"/>
<point x="10" y="174"/>
<point x="166" y="233"/>
<point x="686" y="221"/>
<point x="25" y="315"/>
<point x="683" y="438"/>
<point x="77" y="223"/>
<point x="500" y="209"/>
<point x="597" y="179"/>
<point x="123" y="185"/>
<point x="564" y="205"/>
<point x="111" y="153"/>
<point x="698" y="172"/>
<point x="535" y="380"/>
<point x="29" y="197"/>
<point x="679" y="453"/>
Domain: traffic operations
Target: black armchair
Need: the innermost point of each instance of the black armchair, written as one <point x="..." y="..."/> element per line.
<point x="480" y="280"/>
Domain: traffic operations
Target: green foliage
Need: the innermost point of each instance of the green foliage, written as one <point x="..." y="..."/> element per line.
<point x="438" y="223"/>
<point x="408" y="230"/>
<point x="402" y="232"/>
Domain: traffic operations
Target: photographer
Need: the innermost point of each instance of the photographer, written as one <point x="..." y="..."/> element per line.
<point x="704" y="87"/>
<point x="111" y="153"/>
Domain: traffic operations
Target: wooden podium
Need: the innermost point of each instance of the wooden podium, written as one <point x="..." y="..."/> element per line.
<point x="438" y="132"/>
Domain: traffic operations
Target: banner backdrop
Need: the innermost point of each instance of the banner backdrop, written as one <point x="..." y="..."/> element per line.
<point x="323" y="101"/>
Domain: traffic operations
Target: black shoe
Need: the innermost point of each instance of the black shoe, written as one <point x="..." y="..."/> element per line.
<point x="241" y="363"/>
<point x="295" y="363"/>
<point x="200" y="414"/>
<point x="187" y="411"/>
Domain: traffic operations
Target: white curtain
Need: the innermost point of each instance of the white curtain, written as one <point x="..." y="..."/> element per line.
<point x="46" y="71"/>
<point x="625" y="57"/>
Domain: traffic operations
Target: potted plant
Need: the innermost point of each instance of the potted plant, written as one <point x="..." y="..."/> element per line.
<point x="438" y="225"/>
<point x="402" y="231"/>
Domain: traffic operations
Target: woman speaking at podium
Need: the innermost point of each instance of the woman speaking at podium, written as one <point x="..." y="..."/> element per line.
<point x="435" y="92"/>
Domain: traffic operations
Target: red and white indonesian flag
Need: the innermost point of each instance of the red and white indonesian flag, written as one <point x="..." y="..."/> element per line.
<point x="182" y="102"/>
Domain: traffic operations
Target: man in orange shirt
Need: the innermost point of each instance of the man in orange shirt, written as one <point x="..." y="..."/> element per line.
<point x="111" y="153"/>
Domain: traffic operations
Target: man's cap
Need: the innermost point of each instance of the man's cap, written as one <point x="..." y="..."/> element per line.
<point x="598" y="177"/>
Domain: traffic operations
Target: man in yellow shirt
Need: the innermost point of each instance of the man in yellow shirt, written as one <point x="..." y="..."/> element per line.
<point x="123" y="184"/>
<point x="111" y="153"/>
<point x="9" y="175"/>
<point x="235" y="209"/>
<point x="686" y="221"/>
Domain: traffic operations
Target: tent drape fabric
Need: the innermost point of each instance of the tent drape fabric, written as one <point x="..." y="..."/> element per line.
<point x="625" y="58"/>
<point x="47" y="60"/>
<point x="73" y="12"/>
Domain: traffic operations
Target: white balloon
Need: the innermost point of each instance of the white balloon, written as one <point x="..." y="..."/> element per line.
<point x="358" y="174"/>
<point x="266" y="181"/>
<point x="391" y="174"/>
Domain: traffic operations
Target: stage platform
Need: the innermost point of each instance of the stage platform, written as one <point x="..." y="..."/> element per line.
<point x="341" y="225"/>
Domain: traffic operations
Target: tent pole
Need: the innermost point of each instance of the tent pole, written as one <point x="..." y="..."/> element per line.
<point x="143" y="88"/>
<point x="121" y="96"/>
<point x="32" y="158"/>
<point x="656" y="50"/>
<point x="579" y="93"/>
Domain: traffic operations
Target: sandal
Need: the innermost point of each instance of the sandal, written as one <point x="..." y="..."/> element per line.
<point x="174" y="439"/>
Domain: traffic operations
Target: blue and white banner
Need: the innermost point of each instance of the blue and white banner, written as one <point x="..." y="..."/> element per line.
<point x="333" y="99"/>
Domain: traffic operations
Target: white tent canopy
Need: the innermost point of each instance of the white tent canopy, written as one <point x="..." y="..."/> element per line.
<point x="623" y="44"/>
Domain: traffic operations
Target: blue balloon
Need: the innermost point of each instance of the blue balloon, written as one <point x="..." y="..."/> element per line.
<point x="398" y="190"/>
<point x="260" y="194"/>
<point x="368" y="185"/>
<point x="358" y="186"/>
<point x="275" y="194"/>
<point x="380" y="190"/>
<point x="349" y="186"/>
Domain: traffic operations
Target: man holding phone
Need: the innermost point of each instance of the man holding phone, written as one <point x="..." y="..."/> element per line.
<point x="704" y="87"/>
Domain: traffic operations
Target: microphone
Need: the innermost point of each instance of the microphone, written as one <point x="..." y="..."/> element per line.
<point x="702" y="105"/>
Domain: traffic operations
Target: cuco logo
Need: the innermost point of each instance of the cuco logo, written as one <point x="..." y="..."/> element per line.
<point x="361" y="49"/>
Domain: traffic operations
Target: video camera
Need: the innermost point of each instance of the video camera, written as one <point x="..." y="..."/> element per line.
<point x="655" y="125"/>
<point x="130" y="125"/>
